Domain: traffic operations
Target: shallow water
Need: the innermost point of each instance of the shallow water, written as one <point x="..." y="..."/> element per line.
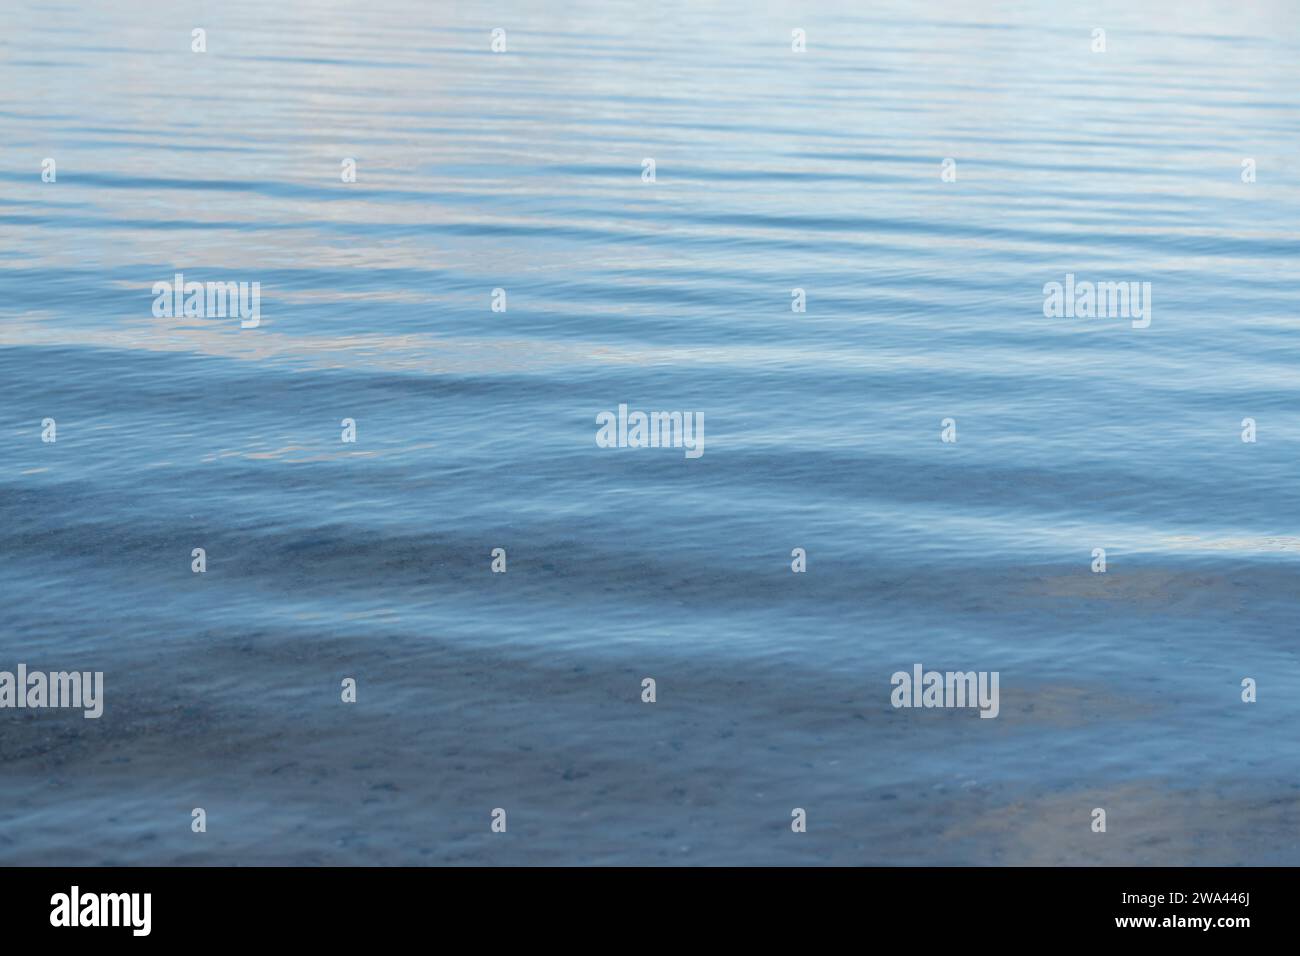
<point x="476" y="430"/>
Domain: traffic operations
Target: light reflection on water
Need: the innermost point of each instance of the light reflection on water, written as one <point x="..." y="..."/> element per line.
<point x="476" y="429"/>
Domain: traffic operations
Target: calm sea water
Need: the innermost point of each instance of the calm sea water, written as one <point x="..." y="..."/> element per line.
<point x="476" y="430"/>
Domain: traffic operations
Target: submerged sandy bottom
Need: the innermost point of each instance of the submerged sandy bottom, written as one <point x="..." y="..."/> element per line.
<point x="587" y="773"/>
